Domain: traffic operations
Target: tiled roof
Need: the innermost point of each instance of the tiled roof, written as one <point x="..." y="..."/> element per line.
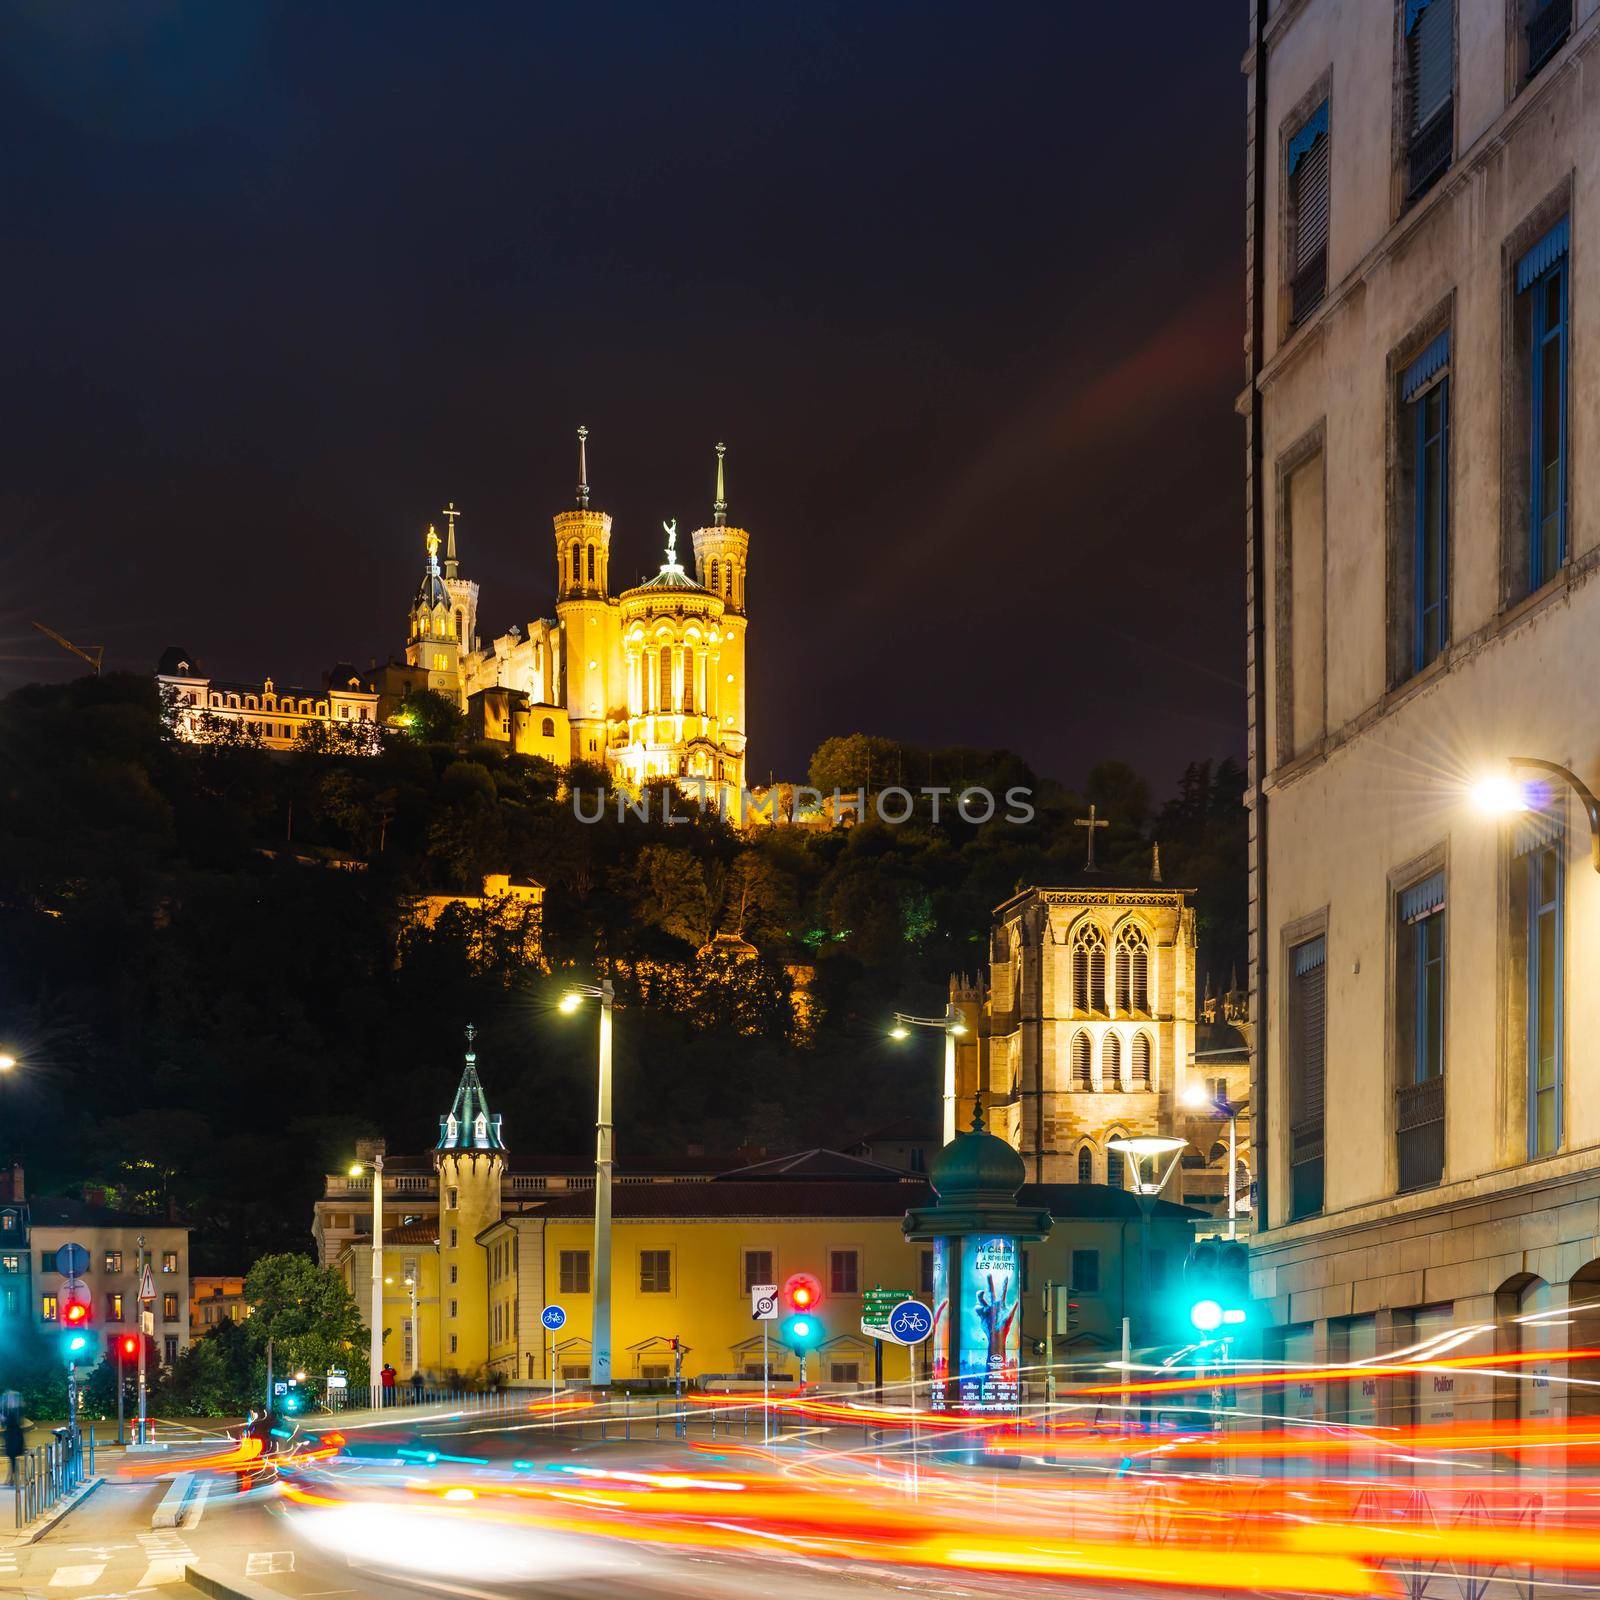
<point x="424" y="1232"/>
<point x="814" y="1164"/>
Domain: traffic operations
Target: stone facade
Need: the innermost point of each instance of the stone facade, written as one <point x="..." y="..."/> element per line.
<point x="1425" y="1073"/>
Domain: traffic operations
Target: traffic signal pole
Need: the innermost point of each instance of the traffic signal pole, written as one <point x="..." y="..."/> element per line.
<point x="138" y="1433"/>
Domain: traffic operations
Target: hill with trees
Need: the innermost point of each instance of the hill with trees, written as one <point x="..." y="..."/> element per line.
<point x="211" y="970"/>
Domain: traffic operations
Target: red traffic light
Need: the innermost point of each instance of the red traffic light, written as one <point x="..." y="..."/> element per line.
<point x="75" y="1313"/>
<point x="128" y="1346"/>
<point x="802" y="1292"/>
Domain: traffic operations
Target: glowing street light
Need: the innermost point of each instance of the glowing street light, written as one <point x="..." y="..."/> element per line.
<point x="1501" y="795"/>
<point x="953" y="1028"/>
<point x="600" y="1330"/>
<point x="7" y="1061"/>
<point x="1198" y="1098"/>
<point x="375" y="1352"/>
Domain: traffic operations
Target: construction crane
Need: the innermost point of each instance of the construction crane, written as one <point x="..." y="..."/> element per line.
<point x="93" y="654"/>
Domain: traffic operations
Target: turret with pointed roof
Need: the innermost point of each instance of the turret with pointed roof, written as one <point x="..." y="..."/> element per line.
<point x="468" y="1127"/>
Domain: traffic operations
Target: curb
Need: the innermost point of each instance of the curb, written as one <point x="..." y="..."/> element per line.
<point x="40" y="1527"/>
<point x="209" y="1581"/>
<point x="175" y="1501"/>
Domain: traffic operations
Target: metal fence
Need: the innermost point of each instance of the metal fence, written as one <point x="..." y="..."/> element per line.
<point x="49" y="1473"/>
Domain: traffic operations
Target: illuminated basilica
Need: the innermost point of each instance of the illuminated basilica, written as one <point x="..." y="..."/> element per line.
<point x="648" y="682"/>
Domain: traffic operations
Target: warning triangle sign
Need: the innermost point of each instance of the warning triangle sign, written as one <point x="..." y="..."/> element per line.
<point x="147" y="1284"/>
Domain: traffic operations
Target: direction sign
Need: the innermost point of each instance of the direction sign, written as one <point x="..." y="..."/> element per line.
<point x="763" y="1302"/>
<point x="553" y="1317"/>
<point x="72" y="1260"/>
<point x="876" y="1306"/>
<point x="911" y="1322"/>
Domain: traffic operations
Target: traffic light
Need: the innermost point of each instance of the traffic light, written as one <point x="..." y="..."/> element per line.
<point x="1216" y="1281"/>
<point x="802" y="1292"/>
<point x="77" y="1344"/>
<point x="802" y="1332"/>
<point x="127" y="1347"/>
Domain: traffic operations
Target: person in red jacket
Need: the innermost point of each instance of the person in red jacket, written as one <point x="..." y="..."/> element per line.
<point x="386" y="1377"/>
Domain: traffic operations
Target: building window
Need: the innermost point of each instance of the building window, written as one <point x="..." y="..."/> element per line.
<point x="1308" y="215"/>
<point x="1140" y="1075"/>
<point x="47" y="1262"/>
<point x="455" y="1311"/>
<point x="169" y="1261"/>
<point x="1089" y="969"/>
<point x="47" y="1307"/>
<point x="454" y="1238"/>
<point x="1116" y="1176"/>
<point x="113" y="1308"/>
<point x="169" y="1308"/>
<point x="1111" y="1062"/>
<point x="1545" y="26"/>
<point x="1538" y="891"/>
<point x="844" y="1372"/>
<point x="113" y="1261"/>
<point x="548" y="728"/>
<point x="590" y="549"/>
<point x="1133" y="970"/>
<point x="1419" y="1032"/>
<point x="1430" y="29"/>
<point x="452" y="1344"/>
<point x="843" y="1272"/>
<point x="1307" y="1044"/>
<point x="1085" y="1271"/>
<point x="1082" y="1065"/>
<point x="1541" y="342"/>
<point x="452" y="1199"/>
<point x="574" y="1271"/>
<point x="8" y="1222"/>
<point x="757" y="1268"/>
<point x="10" y="1264"/>
<point x="1085" y="1165"/>
<point x="655" y="1272"/>
<point x="169" y="1348"/>
<point x="454" y="1276"/>
<point x="9" y="1302"/>
<point x="1425" y="456"/>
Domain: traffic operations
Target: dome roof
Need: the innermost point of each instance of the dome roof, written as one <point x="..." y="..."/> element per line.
<point x="977" y="1163"/>
<point x="671" y="576"/>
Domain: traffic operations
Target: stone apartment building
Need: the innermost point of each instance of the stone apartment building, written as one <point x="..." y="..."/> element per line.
<point x="1423" y="392"/>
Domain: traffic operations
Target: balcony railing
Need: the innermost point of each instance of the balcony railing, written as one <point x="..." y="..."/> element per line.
<point x="1310" y="284"/>
<point x="1429" y="154"/>
<point x="1548" y="28"/>
<point x="1419" y="1132"/>
<point x="1305" y="1169"/>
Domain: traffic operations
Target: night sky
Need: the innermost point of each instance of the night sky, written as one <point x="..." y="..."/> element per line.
<point x="960" y="286"/>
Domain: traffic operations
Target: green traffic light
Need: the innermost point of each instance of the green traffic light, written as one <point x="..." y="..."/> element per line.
<point x="1206" y="1315"/>
<point x="801" y="1333"/>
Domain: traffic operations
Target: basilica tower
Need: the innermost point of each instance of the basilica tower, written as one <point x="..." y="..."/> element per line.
<point x="470" y="1158"/>
<point x="432" y="640"/>
<point x="463" y="591"/>
<point x="721" y="556"/>
<point x="590" y="665"/>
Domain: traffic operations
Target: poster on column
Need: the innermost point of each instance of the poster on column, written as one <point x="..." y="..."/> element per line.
<point x="991" y="1328"/>
<point x="939" y="1340"/>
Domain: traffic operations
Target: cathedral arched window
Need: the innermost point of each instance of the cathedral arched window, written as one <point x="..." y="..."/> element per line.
<point x="688" y="680"/>
<point x="1140" y="1072"/>
<point x="1116" y="1170"/>
<point x="713" y="584"/>
<point x="1088" y="969"/>
<point x="459" y="625"/>
<point x="1111" y="1062"/>
<point x="591" y="563"/>
<point x="666" y="677"/>
<point x="1086" y="1165"/>
<point x="1082" y="1071"/>
<point x="548" y="727"/>
<point x="1133" y="969"/>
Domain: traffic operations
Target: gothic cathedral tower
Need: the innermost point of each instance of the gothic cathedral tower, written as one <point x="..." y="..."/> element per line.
<point x="432" y="640"/>
<point x="590" y="668"/>
<point x="721" y="556"/>
<point x="463" y="591"/>
<point x="470" y="1158"/>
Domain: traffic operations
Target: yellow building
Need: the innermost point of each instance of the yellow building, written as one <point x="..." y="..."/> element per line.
<point x="279" y="716"/>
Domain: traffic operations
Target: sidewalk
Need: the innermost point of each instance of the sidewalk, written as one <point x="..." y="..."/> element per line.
<point x="11" y="1537"/>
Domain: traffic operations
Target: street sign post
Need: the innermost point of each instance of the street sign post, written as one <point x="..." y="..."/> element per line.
<point x="553" y="1317"/>
<point x="877" y="1308"/>
<point x="764" y="1309"/>
<point x="147" y="1324"/>
<point x="910" y="1322"/>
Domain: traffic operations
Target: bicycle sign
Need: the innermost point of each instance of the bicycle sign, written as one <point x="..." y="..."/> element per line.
<point x="911" y="1322"/>
<point x="553" y="1317"/>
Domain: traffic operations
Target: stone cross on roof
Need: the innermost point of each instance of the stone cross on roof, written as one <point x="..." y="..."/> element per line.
<point x="1091" y="822"/>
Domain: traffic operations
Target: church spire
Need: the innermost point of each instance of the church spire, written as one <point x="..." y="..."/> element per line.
<point x="450" y="563"/>
<point x="468" y="1126"/>
<point x="719" y="511"/>
<point x="583" y="469"/>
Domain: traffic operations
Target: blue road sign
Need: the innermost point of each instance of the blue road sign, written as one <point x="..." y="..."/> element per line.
<point x="911" y="1322"/>
<point x="553" y="1317"/>
<point x="72" y="1260"/>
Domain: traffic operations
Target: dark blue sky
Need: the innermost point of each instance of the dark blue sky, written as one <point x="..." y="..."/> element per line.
<point x="960" y="286"/>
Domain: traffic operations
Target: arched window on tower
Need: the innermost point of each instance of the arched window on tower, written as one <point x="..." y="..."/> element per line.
<point x="548" y="728"/>
<point x="688" y="680"/>
<point x="712" y="586"/>
<point x="1088" y="969"/>
<point x="591" y="563"/>
<point x="1116" y="1170"/>
<point x="1133" y="969"/>
<point x="1086" y="1165"/>
<point x="459" y="620"/>
<point x="666" y="677"/>
<point x="1140" y="1072"/>
<point x="1111" y="1062"/>
<point x="1082" y="1071"/>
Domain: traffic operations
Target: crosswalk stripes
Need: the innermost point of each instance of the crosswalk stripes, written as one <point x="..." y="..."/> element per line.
<point x="167" y="1553"/>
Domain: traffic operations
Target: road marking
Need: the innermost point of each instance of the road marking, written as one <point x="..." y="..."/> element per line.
<point x="170" y="1569"/>
<point x="76" y="1577"/>
<point x="261" y="1561"/>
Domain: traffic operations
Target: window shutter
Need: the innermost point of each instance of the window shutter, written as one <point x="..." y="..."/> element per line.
<point x="1309" y="1040"/>
<point x="1422" y="899"/>
<point x="1311" y="205"/>
<point x="1432" y="31"/>
<point x="1427" y="366"/>
<point x="1543" y="255"/>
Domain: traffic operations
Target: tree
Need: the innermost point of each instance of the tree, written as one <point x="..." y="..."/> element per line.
<point x="305" y="1310"/>
<point x="221" y="1374"/>
<point x="673" y="894"/>
<point x="431" y="717"/>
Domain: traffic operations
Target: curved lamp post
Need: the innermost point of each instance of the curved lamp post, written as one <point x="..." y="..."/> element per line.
<point x="953" y="1028"/>
<point x="375" y="1352"/>
<point x="600" y="1331"/>
<point x="1148" y="1159"/>
<point x="1501" y="795"/>
<point x="1197" y="1098"/>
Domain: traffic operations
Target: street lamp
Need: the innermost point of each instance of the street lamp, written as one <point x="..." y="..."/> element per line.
<point x="7" y="1061"/>
<point x="416" y="1333"/>
<point x="1145" y="1155"/>
<point x="1198" y="1098"/>
<point x="1499" y="794"/>
<point x="600" y="1331"/>
<point x="953" y="1028"/>
<point x="375" y="1356"/>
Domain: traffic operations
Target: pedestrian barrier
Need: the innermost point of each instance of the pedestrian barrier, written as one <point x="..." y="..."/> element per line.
<point x="47" y="1474"/>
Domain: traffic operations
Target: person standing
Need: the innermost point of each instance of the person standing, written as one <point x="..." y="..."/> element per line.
<point x="11" y="1434"/>
<point x="386" y="1377"/>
